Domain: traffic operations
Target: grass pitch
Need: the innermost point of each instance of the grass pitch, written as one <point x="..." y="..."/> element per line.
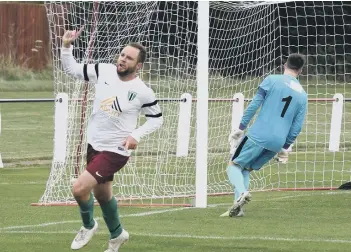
<point x="274" y="221"/>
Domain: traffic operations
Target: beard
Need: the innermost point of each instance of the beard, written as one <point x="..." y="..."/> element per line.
<point x="125" y="72"/>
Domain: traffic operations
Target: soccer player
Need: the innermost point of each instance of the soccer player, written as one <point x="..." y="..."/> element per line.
<point x="283" y="104"/>
<point x="112" y="134"/>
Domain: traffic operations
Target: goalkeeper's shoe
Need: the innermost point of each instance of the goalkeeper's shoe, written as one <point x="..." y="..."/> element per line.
<point x="240" y="214"/>
<point x="244" y="198"/>
<point x="84" y="236"/>
<point x="116" y="243"/>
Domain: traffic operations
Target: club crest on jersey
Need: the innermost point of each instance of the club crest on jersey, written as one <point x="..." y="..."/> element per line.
<point x="131" y="95"/>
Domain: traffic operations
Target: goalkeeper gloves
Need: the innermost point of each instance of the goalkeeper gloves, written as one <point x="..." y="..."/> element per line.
<point x="234" y="139"/>
<point x="282" y="156"/>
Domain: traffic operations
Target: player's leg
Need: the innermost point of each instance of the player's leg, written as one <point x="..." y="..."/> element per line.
<point x="236" y="165"/>
<point x="244" y="155"/>
<point x="82" y="193"/>
<point x="81" y="190"/>
<point x="246" y="152"/>
<point x="108" y="203"/>
<point x="246" y="176"/>
<point x="256" y="165"/>
<point x="246" y="179"/>
<point x="109" y="208"/>
<point x="112" y="162"/>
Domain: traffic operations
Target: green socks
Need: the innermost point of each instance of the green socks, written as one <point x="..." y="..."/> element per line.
<point x="87" y="212"/>
<point x="110" y="214"/>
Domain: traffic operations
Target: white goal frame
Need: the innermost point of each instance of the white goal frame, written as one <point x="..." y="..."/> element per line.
<point x="202" y="115"/>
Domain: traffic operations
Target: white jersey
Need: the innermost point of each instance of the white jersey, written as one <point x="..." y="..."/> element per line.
<point x="116" y="106"/>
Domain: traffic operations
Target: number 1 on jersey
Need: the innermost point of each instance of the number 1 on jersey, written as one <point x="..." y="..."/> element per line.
<point x="287" y="101"/>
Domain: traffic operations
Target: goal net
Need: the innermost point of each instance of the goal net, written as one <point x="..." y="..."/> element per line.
<point x="247" y="41"/>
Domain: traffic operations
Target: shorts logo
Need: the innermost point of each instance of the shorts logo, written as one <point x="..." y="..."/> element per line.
<point x="131" y="95"/>
<point x="98" y="174"/>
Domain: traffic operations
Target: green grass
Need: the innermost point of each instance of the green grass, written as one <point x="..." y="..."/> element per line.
<point x="29" y="85"/>
<point x="275" y="221"/>
<point x="27" y="128"/>
<point x="27" y="138"/>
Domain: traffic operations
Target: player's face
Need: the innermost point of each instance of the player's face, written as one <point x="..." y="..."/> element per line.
<point x="127" y="62"/>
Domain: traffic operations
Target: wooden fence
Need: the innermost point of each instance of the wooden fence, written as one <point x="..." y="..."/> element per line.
<point x="25" y="34"/>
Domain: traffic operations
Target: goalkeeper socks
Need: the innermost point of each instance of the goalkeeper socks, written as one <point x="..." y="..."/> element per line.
<point x="87" y="211"/>
<point x="236" y="194"/>
<point x="110" y="214"/>
<point x="246" y="176"/>
<point x="236" y="178"/>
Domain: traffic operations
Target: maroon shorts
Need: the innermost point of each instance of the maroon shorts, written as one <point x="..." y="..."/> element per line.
<point x="102" y="165"/>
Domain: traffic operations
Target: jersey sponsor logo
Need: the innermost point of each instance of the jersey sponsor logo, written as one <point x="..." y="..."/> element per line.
<point x="131" y="95"/>
<point x="111" y="106"/>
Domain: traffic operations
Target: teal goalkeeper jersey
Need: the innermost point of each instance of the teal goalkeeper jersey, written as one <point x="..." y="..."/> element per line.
<point x="279" y="122"/>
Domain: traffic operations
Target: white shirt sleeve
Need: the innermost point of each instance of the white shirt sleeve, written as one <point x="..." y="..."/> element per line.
<point x="153" y="114"/>
<point x="87" y="72"/>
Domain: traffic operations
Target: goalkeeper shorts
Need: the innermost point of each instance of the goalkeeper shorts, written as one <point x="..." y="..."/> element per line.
<point x="250" y="155"/>
<point x="102" y="165"/>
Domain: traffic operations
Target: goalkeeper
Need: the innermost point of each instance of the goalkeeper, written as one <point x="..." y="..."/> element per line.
<point x="283" y="104"/>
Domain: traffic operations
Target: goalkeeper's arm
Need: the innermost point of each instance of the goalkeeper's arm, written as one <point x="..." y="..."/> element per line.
<point x="236" y="134"/>
<point x="296" y="126"/>
<point x="252" y="108"/>
<point x="295" y="130"/>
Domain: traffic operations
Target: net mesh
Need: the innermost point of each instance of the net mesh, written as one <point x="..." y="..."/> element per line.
<point x="248" y="41"/>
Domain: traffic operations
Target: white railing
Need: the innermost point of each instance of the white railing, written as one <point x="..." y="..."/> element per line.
<point x="184" y="119"/>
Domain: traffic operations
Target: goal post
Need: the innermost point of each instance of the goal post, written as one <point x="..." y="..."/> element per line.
<point x="209" y="54"/>
<point x="202" y="104"/>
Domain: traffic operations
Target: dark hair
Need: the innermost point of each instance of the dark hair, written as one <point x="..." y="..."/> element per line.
<point x="295" y="61"/>
<point x="142" y="51"/>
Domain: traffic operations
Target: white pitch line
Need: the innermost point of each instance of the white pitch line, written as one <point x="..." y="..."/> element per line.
<point x="147" y="213"/>
<point x="286" y="197"/>
<point x="305" y="195"/>
<point x="24" y="183"/>
<point x="200" y="237"/>
<point x="17" y="174"/>
<point x="263" y="238"/>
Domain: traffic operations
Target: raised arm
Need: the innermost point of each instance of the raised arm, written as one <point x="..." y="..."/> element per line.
<point x="87" y="72"/>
